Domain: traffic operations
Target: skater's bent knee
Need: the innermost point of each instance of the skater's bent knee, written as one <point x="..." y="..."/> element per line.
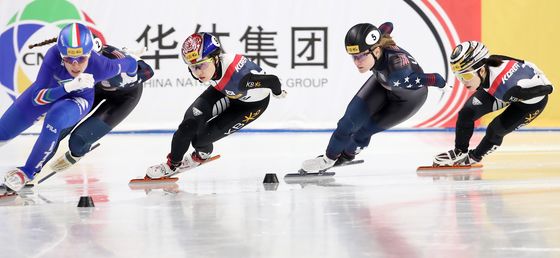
<point x="78" y="145"/>
<point x="345" y="125"/>
<point x="496" y="130"/>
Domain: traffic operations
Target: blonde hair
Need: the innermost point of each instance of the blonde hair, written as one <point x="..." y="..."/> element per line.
<point x="386" y="41"/>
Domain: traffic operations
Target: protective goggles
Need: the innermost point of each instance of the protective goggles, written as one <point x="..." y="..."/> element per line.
<point x="78" y="59"/>
<point x="201" y="65"/>
<point x="361" y="56"/>
<point x="467" y="76"/>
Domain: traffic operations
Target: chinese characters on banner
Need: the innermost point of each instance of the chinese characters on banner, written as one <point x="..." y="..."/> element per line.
<point x="308" y="45"/>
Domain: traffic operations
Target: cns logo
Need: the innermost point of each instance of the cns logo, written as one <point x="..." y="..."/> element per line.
<point x="37" y="21"/>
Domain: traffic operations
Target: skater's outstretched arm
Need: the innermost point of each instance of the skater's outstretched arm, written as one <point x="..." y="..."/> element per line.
<point x="253" y="81"/>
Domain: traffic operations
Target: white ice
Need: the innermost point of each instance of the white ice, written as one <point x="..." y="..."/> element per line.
<point x="381" y="208"/>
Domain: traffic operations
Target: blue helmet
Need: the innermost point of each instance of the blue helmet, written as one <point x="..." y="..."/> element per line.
<point x="75" y="40"/>
<point x="200" y="46"/>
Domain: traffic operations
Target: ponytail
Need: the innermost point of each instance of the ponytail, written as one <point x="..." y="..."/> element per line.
<point x="46" y="42"/>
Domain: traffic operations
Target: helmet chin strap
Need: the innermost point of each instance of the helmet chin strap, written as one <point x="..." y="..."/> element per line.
<point x="374" y="59"/>
<point x="218" y="73"/>
<point x="480" y="77"/>
<point x="192" y="74"/>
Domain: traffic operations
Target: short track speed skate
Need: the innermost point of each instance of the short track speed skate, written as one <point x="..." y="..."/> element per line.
<point x="348" y="163"/>
<point x="41" y="177"/>
<point x="303" y="174"/>
<point x="436" y="170"/>
<point x="6" y="193"/>
<point x="436" y="167"/>
<point x="168" y="179"/>
<point x="455" y="173"/>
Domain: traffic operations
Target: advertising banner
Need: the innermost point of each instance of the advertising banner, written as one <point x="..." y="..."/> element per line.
<point x="302" y="42"/>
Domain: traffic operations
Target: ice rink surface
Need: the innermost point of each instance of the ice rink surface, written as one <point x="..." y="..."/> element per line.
<point x="382" y="208"/>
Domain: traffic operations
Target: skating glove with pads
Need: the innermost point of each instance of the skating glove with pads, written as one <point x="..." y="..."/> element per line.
<point x="82" y="81"/>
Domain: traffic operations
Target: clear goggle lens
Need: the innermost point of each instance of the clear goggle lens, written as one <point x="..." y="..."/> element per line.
<point x="201" y="65"/>
<point x="360" y="56"/>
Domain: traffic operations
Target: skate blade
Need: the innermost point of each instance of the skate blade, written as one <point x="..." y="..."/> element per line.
<point x="8" y="196"/>
<point x="166" y="186"/>
<point x="353" y="162"/>
<point x="447" y="171"/>
<point x="182" y="169"/>
<point x="211" y="159"/>
<point x="313" y="180"/>
<point x="147" y="180"/>
<point x="304" y="175"/>
<point x="441" y="168"/>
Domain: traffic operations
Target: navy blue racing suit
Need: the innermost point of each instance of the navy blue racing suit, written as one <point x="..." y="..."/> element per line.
<point x="396" y="91"/>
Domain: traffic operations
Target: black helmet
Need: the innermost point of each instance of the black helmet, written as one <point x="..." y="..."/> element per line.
<point x="361" y="37"/>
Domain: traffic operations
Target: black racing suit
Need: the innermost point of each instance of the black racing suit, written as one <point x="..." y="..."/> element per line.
<point x="240" y="94"/>
<point x="516" y="85"/>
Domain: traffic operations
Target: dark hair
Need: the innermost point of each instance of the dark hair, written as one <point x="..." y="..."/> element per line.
<point x="494" y="61"/>
<point x="497" y="60"/>
<point x="46" y="42"/>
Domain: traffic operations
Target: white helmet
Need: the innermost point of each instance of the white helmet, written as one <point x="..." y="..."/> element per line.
<point x="469" y="54"/>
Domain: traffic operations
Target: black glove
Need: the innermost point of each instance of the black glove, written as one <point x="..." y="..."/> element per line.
<point x="254" y="81"/>
<point x="145" y="71"/>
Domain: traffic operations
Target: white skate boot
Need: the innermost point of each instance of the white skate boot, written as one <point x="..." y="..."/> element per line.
<point x="64" y="162"/>
<point x="169" y="169"/>
<point x="162" y="170"/>
<point x="453" y="157"/>
<point x="470" y="159"/>
<point x="15" y="179"/>
<point x="318" y="164"/>
<point x="193" y="160"/>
